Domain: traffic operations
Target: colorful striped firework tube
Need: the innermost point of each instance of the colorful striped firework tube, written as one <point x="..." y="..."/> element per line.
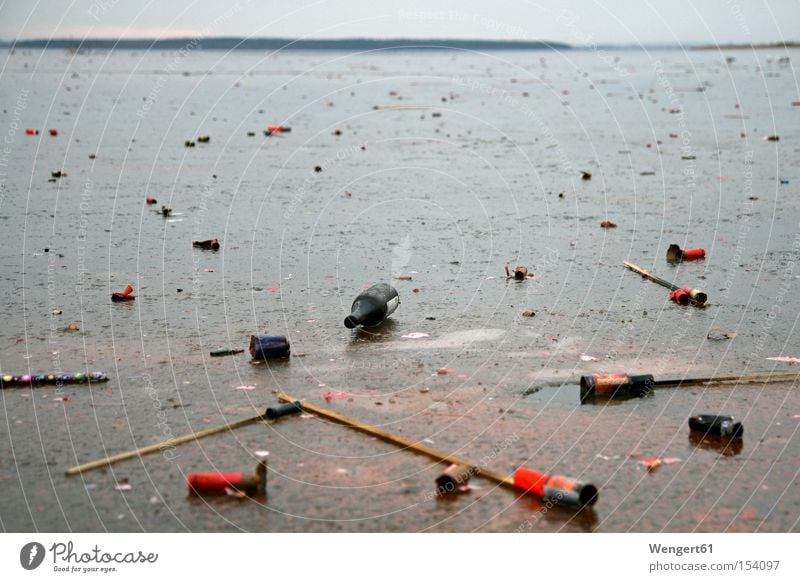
<point x="7" y="380"/>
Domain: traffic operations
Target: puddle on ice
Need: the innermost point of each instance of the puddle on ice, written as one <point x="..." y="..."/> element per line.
<point x="452" y="340"/>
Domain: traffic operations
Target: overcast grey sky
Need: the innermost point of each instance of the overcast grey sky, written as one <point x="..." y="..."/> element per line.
<point x="572" y="21"/>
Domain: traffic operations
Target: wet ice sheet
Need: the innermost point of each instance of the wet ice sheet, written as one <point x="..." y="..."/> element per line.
<point x="447" y="200"/>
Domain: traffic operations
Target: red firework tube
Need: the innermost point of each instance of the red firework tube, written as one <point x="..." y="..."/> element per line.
<point x="615" y="385"/>
<point x="217" y="483"/>
<point x="692" y="254"/>
<point x="124" y="296"/>
<point x="680" y="296"/>
<point x="277" y="129"/>
<point x="200" y="483"/>
<point x="555" y="488"/>
<point x="676" y="253"/>
<point x="31" y="131"/>
<point x="54" y="132"/>
<point x="151" y="200"/>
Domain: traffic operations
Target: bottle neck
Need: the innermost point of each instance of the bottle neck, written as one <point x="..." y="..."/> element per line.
<point x="360" y="313"/>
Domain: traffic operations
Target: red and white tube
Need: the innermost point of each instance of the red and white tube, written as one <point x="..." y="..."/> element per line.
<point x="555" y="488"/>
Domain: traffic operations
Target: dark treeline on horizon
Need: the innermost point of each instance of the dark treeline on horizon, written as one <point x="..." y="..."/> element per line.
<point x="236" y="43"/>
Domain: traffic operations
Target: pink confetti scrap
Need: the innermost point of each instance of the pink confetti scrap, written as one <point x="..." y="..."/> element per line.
<point x="246" y="387"/>
<point x="653" y="463"/>
<point x="328" y="396"/>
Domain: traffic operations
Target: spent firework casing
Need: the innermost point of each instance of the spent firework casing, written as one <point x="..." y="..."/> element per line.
<point x="453" y="478"/>
<point x="283" y="410"/>
<point x="724" y="426"/>
<point x="265" y="347"/>
<point x="555" y="488"/>
<point x="63" y="378"/>
<point x="615" y="385"/>
<point x="218" y="483"/>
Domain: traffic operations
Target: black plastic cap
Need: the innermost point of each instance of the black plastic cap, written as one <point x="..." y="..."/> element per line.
<point x="588" y="495"/>
<point x="283" y="410"/>
<point x="587" y="388"/>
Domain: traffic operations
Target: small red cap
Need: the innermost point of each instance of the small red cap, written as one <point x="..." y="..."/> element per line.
<point x="680" y="296"/>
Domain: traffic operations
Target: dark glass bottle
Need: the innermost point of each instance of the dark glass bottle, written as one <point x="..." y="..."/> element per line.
<point x="373" y="306"/>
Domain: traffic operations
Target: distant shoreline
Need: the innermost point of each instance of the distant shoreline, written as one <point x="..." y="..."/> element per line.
<point x="755" y="46"/>
<point x="354" y="44"/>
<point x="273" y="44"/>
